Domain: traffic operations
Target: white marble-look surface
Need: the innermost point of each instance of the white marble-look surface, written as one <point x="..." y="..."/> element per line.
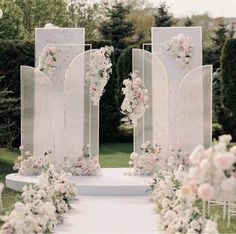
<point x="71" y="42"/>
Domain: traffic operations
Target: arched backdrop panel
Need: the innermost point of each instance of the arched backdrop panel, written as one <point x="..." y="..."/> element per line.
<point x="194" y="115"/>
<point x="81" y="116"/>
<point x="37" y="112"/>
<point x="153" y="126"/>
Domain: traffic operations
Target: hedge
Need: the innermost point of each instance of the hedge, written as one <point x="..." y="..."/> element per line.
<point x="227" y="117"/>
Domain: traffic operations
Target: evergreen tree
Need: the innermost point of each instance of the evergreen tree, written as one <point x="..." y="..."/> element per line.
<point x="188" y="22"/>
<point x="216" y="95"/>
<point x="227" y="117"/>
<point x="163" y="17"/>
<point x="221" y="34"/>
<point x="117" y="28"/>
<point x="9" y="110"/>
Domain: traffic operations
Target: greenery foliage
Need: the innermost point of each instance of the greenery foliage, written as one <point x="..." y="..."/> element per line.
<point x="227" y="117"/>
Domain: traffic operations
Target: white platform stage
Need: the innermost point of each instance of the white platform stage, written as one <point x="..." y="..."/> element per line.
<point x="112" y="182"/>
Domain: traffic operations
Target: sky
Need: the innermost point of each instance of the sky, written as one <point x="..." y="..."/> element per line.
<point x="215" y="8"/>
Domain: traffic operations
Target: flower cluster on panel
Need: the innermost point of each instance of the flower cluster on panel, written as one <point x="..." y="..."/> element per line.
<point x="181" y="48"/>
<point x="98" y="72"/>
<point x="48" y="59"/>
<point x="42" y="204"/>
<point x="135" y="102"/>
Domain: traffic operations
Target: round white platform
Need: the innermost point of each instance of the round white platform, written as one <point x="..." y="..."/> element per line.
<point x="113" y="182"/>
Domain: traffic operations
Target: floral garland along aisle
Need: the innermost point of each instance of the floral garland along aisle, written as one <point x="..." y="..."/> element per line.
<point x="209" y="174"/>
<point x="42" y="205"/>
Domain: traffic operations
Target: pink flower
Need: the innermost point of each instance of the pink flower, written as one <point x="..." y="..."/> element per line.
<point x="189" y="191"/>
<point x="206" y="192"/>
<point x="224" y="160"/>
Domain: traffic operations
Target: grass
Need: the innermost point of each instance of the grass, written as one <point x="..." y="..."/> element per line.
<point x="111" y="155"/>
<point x="115" y="154"/>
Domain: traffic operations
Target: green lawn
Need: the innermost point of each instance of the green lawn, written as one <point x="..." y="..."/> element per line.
<point x="111" y="155"/>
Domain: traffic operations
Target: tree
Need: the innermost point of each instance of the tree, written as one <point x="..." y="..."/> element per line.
<point x="163" y="17"/>
<point x="10" y="109"/>
<point x="211" y="54"/>
<point x="37" y="13"/>
<point x="87" y="15"/>
<point x="227" y="116"/>
<point x="10" y="23"/>
<point x="117" y="28"/>
<point x="188" y="22"/>
<point x="216" y="95"/>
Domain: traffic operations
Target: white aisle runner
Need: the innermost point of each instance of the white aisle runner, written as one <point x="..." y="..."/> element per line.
<point x="111" y="214"/>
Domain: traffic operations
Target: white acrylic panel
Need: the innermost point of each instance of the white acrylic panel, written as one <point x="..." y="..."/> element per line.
<point x="193" y="109"/>
<point x="82" y="117"/>
<point x="71" y="41"/>
<point x="153" y="126"/>
<point x="175" y="72"/>
<point x="37" y="111"/>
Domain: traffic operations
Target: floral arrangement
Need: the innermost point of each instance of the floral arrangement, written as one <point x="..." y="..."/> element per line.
<point x="48" y="59"/>
<point x="98" y="72"/>
<point x="212" y="172"/>
<point x="135" y="102"/>
<point x="29" y="165"/>
<point x="178" y="215"/>
<point x="148" y="163"/>
<point x="83" y="165"/>
<point x="42" y="204"/>
<point x="181" y="48"/>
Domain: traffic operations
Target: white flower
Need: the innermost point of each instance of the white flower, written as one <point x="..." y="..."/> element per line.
<point x="197" y="154"/>
<point x="225" y="139"/>
<point x="233" y="149"/>
<point x="210" y="227"/>
<point x="229" y="184"/>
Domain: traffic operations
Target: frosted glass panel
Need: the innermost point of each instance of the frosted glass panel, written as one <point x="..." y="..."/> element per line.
<point x="82" y="117"/>
<point x="194" y="109"/>
<point x="37" y="111"/>
<point x="153" y="126"/>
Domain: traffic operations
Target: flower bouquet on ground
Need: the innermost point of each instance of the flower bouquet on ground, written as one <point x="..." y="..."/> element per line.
<point x="84" y="165"/>
<point x="135" y="102"/>
<point x="29" y="165"/>
<point x="148" y="163"/>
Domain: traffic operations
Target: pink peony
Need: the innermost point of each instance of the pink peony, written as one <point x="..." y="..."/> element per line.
<point x="189" y="191"/>
<point x="206" y="192"/>
<point x="224" y="161"/>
